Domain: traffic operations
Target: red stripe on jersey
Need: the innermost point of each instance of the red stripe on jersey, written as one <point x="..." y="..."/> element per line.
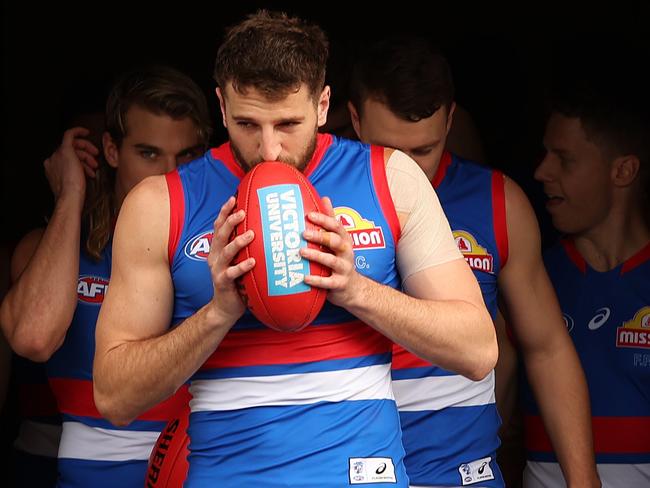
<point x="403" y="359"/>
<point x="499" y="216"/>
<point x="176" y="212"/>
<point x="224" y="154"/>
<point x="612" y="435"/>
<point x="378" y="167"/>
<point x="75" y="397"/>
<point x="323" y="142"/>
<point x="574" y="255"/>
<point x="445" y="161"/>
<point x="260" y="347"/>
<point x="36" y="400"/>
<point x="638" y="259"/>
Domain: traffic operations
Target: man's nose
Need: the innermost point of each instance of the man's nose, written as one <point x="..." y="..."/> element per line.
<point x="271" y="147"/>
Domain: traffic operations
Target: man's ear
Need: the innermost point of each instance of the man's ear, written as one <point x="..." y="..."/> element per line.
<point x="354" y="116"/>
<point x="111" y="151"/>
<point x="323" y="106"/>
<point x="625" y="170"/>
<point x="222" y="106"/>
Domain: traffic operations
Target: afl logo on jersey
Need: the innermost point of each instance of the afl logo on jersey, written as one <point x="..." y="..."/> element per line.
<point x="635" y="332"/>
<point x="91" y="289"/>
<point x="478" y="258"/>
<point x="198" y="246"/>
<point x="365" y="235"/>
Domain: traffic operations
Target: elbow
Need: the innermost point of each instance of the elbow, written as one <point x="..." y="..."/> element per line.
<point x="34" y="347"/>
<point x="109" y="407"/>
<point x="485" y="357"/>
<point x="482" y="368"/>
<point x="25" y="337"/>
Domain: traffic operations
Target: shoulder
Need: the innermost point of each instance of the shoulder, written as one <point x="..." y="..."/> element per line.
<point x="523" y="236"/>
<point x="398" y="162"/>
<point x="152" y="188"/>
<point x="147" y="199"/>
<point x="513" y="193"/>
<point x="408" y="185"/>
<point x="24" y="251"/>
<point x="520" y="216"/>
<point x="145" y="211"/>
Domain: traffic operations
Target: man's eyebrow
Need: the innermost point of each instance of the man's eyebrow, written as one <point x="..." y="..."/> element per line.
<point x="282" y="120"/>
<point x="148" y="147"/>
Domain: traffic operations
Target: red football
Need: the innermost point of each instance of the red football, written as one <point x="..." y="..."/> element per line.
<point x="276" y="198"/>
<point x="168" y="464"/>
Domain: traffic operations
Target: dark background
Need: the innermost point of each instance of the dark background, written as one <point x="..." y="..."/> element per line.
<point x="58" y="56"/>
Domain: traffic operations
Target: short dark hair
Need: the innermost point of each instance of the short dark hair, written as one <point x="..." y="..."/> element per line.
<point x="605" y="86"/>
<point x="610" y="100"/>
<point x="406" y="73"/>
<point x="273" y="53"/>
<point x="160" y="90"/>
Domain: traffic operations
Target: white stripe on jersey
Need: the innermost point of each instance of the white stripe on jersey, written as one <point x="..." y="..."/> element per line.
<point x="80" y="441"/>
<point x="438" y="392"/>
<point x="540" y="475"/>
<point x="367" y="383"/>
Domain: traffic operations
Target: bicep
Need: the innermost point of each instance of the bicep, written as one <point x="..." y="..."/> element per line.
<point x="139" y="300"/>
<point x="452" y="280"/>
<point x="524" y="285"/>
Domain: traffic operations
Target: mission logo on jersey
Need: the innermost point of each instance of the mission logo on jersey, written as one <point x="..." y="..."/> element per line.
<point x="91" y="289"/>
<point x="364" y="233"/>
<point x="635" y="332"/>
<point x="477" y="257"/>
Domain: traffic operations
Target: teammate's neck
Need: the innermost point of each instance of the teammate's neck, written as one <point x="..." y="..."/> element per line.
<point x="614" y="241"/>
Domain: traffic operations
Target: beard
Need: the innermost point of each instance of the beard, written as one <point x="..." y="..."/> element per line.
<point x="298" y="161"/>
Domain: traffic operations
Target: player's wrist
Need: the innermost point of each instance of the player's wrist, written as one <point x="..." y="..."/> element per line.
<point x="588" y="481"/>
<point x="359" y="293"/>
<point x="73" y="198"/>
<point x="215" y="318"/>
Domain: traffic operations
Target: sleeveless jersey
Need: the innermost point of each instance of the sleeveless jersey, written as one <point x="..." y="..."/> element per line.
<point x="608" y="317"/>
<point x="450" y="424"/>
<point x="311" y="408"/>
<point x="93" y="452"/>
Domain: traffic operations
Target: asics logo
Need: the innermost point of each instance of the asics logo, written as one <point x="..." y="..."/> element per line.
<point x="602" y="314"/>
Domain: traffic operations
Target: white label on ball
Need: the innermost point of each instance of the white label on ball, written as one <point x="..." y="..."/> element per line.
<point x="283" y="222"/>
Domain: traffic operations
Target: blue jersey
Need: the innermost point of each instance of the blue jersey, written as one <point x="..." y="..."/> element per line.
<point x="608" y="317"/>
<point x="311" y="408"/>
<point x="450" y="424"/>
<point x="93" y="452"/>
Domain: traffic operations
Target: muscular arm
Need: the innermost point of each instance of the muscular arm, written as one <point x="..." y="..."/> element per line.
<point x="38" y="308"/>
<point x="139" y="361"/>
<point x="441" y="317"/>
<point x="545" y="345"/>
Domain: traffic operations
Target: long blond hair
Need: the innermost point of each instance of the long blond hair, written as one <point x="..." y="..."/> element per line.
<point x="161" y="90"/>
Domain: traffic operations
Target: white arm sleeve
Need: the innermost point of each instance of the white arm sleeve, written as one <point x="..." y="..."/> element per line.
<point x="426" y="239"/>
